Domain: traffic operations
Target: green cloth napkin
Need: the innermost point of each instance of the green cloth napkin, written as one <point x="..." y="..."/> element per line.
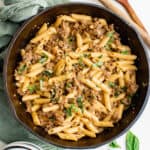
<point x="12" y="14"/>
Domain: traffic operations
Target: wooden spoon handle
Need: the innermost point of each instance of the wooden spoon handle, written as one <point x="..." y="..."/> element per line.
<point x="131" y="12"/>
<point x="111" y="6"/>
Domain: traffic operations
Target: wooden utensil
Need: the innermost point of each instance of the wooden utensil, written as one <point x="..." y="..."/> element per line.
<point x="131" y="12"/>
<point x="109" y="4"/>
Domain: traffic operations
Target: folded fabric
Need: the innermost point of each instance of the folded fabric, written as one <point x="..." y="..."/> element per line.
<point x="12" y="14"/>
<point x="15" y="11"/>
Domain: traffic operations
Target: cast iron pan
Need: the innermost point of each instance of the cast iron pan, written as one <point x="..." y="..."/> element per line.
<point x="128" y="36"/>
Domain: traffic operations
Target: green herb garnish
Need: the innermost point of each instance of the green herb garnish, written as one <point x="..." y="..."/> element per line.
<point x="110" y="34"/>
<point x="117" y="93"/>
<point x="68" y="85"/>
<point x="125" y="52"/>
<point x="52" y="118"/>
<point x="32" y="88"/>
<point x="132" y="142"/>
<point x="111" y="39"/>
<point x="80" y="103"/>
<point x="80" y="62"/>
<point x="22" y="68"/>
<point x="98" y="64"/>
<point x="43" y="58"/>
<point x="130" y="96"/>
<point x="71" y="39"/>
<point x="73" y="49"/>
<point x="86" y="55"/>
<point x="48" y="73"/>
<point x="114" y="144"/>
<point x="124" y="89"/>
<point x="69" y="110"/>
<point x="112" y="84"/>
<point x="100" y="56"/>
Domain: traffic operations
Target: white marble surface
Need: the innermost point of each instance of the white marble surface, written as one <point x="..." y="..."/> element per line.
<point x="142" y="126"/>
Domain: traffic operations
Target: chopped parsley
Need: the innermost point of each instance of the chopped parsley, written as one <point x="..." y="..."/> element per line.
<point x="111" y="39"/>
<point x="52" y="118"/>
<point x="80" y="62"/>
<point x="98" y="64"/>
<point x="100" y="56"/>
<point x="48" y="73"/>
<point x="124" y="89"/>
<point x="71" y="39"/>
<point x="86" y="55"/>
<point x="112" y="84"/>
<point x="69" y="110"/>
<point x="114" y="144"/>
<point x="80" y="103"/>
<point x="130" y="96"/>
<point x="110" y="34"/>
<point x="125" y="52"/>
<point x="43" y="58"/>
<point x="117" y="93"/>
<point x="22" y="68"/>
<point x="32" y="88"/>
<point x="68" y="85"/>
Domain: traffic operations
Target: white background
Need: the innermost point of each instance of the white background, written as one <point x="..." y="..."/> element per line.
<point x="142" y="126"/>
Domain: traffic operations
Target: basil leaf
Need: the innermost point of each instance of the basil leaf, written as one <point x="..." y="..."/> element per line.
<point x="114" y="144"/>
<point x="22" y="68"/>
<point x="132" y="142"/>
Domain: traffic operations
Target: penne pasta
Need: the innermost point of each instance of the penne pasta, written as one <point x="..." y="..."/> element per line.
<point x="43" y="35"/>
<point x="35" y="118"/>
<point x="30" y="97"/>
<point x="50" y="108"/>
<point x="80" y="17"/>
<point x="76" y="77"/>
<point x="42" y="29"/>
<point x="68" y="136"/>
<point x="41" y="101"/>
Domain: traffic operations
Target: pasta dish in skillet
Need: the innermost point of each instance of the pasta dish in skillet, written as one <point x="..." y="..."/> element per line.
<point x="76" y="77"/>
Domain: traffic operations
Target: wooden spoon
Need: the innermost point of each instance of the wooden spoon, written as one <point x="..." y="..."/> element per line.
<point x="130" y="10"/>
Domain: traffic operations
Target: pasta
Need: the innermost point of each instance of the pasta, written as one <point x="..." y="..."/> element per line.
<point x="76" y="77"/>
